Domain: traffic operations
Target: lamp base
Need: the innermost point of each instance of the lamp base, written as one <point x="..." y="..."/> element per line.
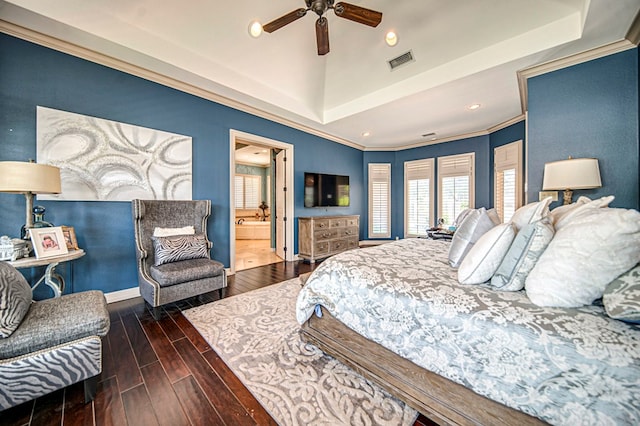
<point x="568" y="195"/>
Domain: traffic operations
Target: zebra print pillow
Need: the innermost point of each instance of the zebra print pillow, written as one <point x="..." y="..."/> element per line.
<point x="15" y="299"/>
<point x="179" y="247"/>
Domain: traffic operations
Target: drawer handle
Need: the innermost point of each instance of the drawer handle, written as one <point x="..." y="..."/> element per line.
<point x="321" y="225"/>
<point x="326" y="235"/>
<point x="347" y="232"/>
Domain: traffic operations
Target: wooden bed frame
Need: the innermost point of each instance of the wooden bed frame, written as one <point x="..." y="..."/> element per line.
<point x="436" y="397"/>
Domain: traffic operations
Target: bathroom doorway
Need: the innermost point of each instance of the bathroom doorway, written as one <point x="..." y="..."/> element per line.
<point x="260" y="233"/>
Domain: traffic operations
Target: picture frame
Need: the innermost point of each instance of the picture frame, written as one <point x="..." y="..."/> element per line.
<point x="48" y="242"/>
<point x="69" y="234"/>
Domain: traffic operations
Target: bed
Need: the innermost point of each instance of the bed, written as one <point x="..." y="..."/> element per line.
<point x="468" y="354"/>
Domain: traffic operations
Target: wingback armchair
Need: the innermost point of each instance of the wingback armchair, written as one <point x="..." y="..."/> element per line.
<point x="173" y="251"/>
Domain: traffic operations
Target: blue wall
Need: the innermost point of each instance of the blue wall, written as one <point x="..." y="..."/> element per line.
<point x="32" y="75"/>
<point x="588" y="110"/>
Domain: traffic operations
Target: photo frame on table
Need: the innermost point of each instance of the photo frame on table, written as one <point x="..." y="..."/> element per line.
<point x="70" y="237"/>
<point x="48" y="242"/>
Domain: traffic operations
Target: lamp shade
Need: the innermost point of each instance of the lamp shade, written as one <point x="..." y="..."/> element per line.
<point x="23" y="177"/>
<point x="574" y="173"/>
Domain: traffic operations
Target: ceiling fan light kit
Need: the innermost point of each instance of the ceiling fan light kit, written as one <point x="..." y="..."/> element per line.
<point x="343" y="10"/>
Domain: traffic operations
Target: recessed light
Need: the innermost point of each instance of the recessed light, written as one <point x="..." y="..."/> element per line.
<point x="255" y="29"/>
<point x="391" y="38"/>
<point x="473" y="106"/>
<point x="366" y="134"/>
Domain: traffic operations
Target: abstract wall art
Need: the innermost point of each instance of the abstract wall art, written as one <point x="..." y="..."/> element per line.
<point x="103" y="160"/>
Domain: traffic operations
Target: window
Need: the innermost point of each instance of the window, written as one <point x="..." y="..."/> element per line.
<point x="418" y="197"/>
<point x="507" y="184"/>
<point x="379" y="200"/>
<point x="248" y="191"/>
<point x="456" y="183"/>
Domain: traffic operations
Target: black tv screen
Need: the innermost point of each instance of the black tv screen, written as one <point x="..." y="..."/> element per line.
<point x="325" y="190"/>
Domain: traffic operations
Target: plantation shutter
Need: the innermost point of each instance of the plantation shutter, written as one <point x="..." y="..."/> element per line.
<point x="456" y="179"/>
<point x="247" y="191"/>
<point x="379" y="200"/>
<point x="507" y="177"/>
<point x="418" y="177"/>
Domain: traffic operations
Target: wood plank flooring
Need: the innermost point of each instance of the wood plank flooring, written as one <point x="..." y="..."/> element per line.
<point x="161" y="372"/>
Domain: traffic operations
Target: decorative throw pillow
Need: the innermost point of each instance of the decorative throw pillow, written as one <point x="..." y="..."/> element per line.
<point x="471" y="229"/>
<point x="523" y="254"/>
<point x="584" y="256"/>
<point x="15" y="299"/>
<point x="566" y="218"/>
<point x="463" y="214"/>
<point x="485" y="256"/>
<point x="168" y="232"/>
<point x="494" y="216"/>
<point x="530" y="213"/>
<point x="179" y="247"/>
<point x="621" y="298"/>
<point x="560" y="211"/>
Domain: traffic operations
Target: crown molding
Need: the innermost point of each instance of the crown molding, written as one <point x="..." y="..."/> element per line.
<point x="568" y="61"/>
<point x="507" y="123"/>
<point x="633" y="35"/>
<point x="117" y="64"/>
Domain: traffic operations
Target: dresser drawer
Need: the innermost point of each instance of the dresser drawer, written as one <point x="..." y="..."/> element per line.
<point x="325" y="234"/>
<point x="349" y="232"/>
<point x="320" y="224"/>
<point x="337" y="246"/>
<point x="338" y="223"/>
<point x="353" y="243"/>
<point x="353" y="221"/>
<point x="320" y="248"/>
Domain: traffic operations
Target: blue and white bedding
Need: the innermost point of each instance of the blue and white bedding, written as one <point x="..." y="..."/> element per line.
<point x="564" y="366"/>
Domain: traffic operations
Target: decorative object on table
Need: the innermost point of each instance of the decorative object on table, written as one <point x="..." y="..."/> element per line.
<point x="48" y="242"/>
<point x="263" y="206"/>
<point x="574" y="173"/>
<point x="38" y="221"/>
<point x="114" y="161"/>
<point x="70" y="237"/>
<point x="13" y="248"/>
<point x="29" y="178"/>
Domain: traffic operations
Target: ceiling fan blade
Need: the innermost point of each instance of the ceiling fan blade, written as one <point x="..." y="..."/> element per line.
<point x="358" y="14"/>
<point x="284" y="20"/>
<point x="322" y="35"/>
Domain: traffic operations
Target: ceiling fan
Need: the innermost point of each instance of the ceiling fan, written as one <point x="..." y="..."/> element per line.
<point x="343" y="10"/>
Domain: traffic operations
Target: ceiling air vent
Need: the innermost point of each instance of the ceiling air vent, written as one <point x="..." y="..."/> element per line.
<point x="405" y="58"/>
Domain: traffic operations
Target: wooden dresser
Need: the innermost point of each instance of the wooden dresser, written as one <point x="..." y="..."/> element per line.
<point x="324" y="236"/>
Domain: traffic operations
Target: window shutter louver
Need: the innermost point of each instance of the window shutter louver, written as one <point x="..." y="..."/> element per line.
<point x="507" y="183"/>
<point x="418" y="196"/>
<point x="456" y="178"/>
<point x="379" y="200"/>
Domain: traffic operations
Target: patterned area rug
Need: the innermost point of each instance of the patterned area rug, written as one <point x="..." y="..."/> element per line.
<point x="256" y="334"/>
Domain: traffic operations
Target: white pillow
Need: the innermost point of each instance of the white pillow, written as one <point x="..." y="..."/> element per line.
<point x="526" y="249"/>
<point x="170" y="232"/>
<point x="495" y="217"/>
<point x="486" y="255"/>
<point x="530" y="213"/>
<point x="594" y="248"/>
<point x="566" y="218"/>
<point x="471" y="229"/>
<point x="560" y="211"/>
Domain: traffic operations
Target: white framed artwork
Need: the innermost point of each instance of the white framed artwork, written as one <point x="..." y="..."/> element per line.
<point x="104" y="160"/>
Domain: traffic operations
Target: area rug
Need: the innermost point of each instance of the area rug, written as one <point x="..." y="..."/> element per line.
<point x="256" y="334"/>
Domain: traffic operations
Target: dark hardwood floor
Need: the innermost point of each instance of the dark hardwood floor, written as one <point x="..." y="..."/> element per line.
<point x="161" y="372"/>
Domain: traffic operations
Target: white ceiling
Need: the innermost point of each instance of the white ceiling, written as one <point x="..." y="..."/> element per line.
<point x="466" y="52"/>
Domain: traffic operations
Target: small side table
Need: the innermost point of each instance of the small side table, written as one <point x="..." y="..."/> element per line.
<point x="50" y="278"/>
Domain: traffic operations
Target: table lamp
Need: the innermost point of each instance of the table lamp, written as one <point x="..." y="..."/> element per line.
<point x="574" y="173"/>
<point x="29" y="178"/>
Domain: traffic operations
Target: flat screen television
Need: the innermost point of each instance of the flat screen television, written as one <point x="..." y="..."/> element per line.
<point x="325" y="190"/>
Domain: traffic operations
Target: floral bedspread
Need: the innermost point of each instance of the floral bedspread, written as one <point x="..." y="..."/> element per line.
<point x="564" y="366"/>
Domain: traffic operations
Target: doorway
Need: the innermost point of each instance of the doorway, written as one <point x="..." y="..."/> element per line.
<point x="261" y="201"/>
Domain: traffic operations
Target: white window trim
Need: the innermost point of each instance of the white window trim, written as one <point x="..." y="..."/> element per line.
<point x="383" y="174"/>
<point x="470" y="159"/>
<point x="430" y="164"/>
<point x="244" y="178"/>
<point x="507" y="157"/>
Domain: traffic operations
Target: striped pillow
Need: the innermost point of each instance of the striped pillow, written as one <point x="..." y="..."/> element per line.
<point x="15" y="299"/>
<point x="179" y="247"/>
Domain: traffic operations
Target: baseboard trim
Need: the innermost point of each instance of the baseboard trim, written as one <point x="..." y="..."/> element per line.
<point x="127" y="293"/>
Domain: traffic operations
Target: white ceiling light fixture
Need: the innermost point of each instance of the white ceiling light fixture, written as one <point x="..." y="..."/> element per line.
<point x="391" y="38"/>
<point x="255" y="29"/>
<point x="366" y="134"/>
<point x="473" y="107"/>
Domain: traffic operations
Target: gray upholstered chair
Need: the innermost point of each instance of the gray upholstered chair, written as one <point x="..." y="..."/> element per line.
<point x="47" y="345"/>
<point x="174" y="266"/>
